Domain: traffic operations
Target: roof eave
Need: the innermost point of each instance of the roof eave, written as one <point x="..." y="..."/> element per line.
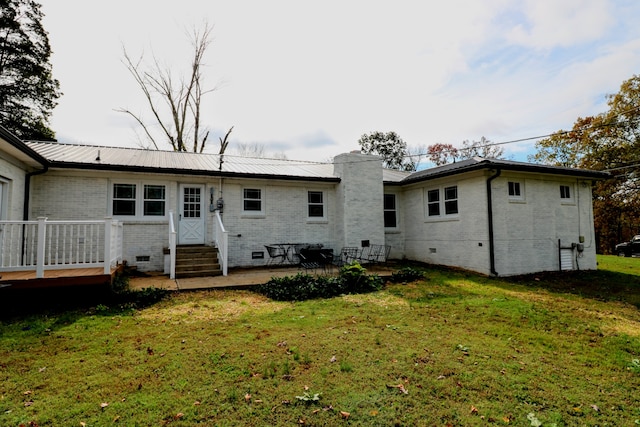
<point x="488" y="165"/>
<point x="179" y="171"/>
<point x="21" y="151"/>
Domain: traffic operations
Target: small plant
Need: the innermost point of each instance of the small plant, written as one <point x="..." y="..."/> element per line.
<point x="346" y="367"/>
<point x="308" y="397"/>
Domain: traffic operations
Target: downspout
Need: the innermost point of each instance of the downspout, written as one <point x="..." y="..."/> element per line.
<point x="492" y="255"/>
<point x="25" y="206"/>
<point x="27" y="190"/>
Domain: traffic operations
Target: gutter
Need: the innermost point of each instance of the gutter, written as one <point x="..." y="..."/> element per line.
<point x="492" y="254"/>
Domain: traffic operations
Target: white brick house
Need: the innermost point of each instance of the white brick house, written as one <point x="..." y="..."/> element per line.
<point x="491" y="216"/>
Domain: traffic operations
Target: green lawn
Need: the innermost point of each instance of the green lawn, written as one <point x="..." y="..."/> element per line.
<point x="455" y="349"/>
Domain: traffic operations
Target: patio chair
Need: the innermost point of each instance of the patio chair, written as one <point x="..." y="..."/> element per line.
<point x="277" y="255"/>
<point x="347" y="255"/>
<point x="310" y="259"/>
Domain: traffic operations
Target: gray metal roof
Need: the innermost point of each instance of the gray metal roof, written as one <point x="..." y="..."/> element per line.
<point x="157" y="161"/>
<point x="171" y="162"/>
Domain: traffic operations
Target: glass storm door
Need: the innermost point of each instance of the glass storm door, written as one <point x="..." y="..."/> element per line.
<point x="191" y="220"/>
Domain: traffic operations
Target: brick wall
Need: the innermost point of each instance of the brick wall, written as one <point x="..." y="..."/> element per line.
<point x="12" y="177"/>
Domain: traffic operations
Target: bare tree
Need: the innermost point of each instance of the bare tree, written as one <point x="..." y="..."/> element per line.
<point x="175" y="104"/>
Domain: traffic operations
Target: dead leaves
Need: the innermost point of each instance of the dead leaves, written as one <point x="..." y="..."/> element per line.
<point x="401" y="388"/>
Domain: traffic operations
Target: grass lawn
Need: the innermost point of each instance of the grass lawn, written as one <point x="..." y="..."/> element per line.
<point x="455" y="349"/>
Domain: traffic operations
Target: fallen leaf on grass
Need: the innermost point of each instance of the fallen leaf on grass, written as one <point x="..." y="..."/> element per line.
<point x="104" y="405"/>
<point x="333" y="359"/>
<point x="247" y="397"/>
<point x="28" y="392"/>
<point x="179" y="415"/>
<point x="345" y="415"/>
<point x="28" y="403"/>
<point x="474" y="410"/>
<point x="400" y="388"/>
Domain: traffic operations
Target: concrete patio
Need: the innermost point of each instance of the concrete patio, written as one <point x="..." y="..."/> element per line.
<point x="237" y="278"/>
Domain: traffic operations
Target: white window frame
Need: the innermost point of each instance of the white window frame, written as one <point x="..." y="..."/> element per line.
<point x="441" y="203"/>
<point x="394" y="209"/>
<point x="567" y="200"/>
<point x="323" y="204"/>
<point x="139" y="200"/>
<point x="519" y="185"/>
<point x="253" y="212"/>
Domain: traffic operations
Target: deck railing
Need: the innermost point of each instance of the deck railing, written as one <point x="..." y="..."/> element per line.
<point x="172" y="246"/>
<point x="222" y="243"/>
<point x="52" y="245"/>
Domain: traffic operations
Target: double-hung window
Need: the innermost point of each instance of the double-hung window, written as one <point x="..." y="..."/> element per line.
<point x="566" y="194"/>
<point x="252" y="200"/>
<point x="433" y="202"/>
<point x="138" y="200"/>
<point x="390" y="213"/>
<point x="154" y="200"/>
<point x="451" y="200"/>
<point x="442" y="202"/>
<point x="315" y="200"/>
<point x="515" y="191"/>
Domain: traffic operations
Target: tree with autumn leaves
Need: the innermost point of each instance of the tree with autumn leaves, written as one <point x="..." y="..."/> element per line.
<point x="609" y="141"/>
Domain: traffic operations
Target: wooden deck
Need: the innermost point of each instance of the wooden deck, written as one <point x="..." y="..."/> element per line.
<point x="56" y="278"/>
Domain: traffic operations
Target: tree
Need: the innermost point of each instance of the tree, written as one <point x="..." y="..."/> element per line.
<point x="441" y="154"/>
<point x="175" y="105"/>
<point x="28" y="91"/>
<point x="608" y="141"/>
<point x="482" y="148"/>
<point x="390" y="147"/>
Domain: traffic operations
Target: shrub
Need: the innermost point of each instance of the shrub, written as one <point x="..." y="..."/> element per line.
<point x="406" y="274"/>
<point x="352" y="279"/>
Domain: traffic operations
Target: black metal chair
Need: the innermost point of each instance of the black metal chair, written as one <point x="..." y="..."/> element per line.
<point x="347" y="255"/>
<point x="315" y="257"/>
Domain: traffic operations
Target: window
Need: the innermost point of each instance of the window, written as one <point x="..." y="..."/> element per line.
<point x="154" y="200"/>
<point x="433" y="202"/>
<point x="124" y="199"/>
<point x="390" y="217"/>
<point x="565" y="192"/>
<point x="316" y="204"/>
<point x="191" y="202"/>
<point x="514" y="189"/>
<point x="442" y="200"/>
<point x="252" y="200"/>
<point x="128" y="201"/>
<point x="451" y="200"/>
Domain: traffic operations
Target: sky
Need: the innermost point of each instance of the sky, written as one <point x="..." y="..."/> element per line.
<point x="307" y="79"/>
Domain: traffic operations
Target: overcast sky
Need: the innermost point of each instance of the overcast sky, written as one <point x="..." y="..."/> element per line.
<point x="309" y="78"/>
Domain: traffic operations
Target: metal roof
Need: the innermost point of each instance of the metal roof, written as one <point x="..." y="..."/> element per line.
<point x="158" y="161"/>
<point x="478" y="163"/>
<point x="170" y="162"/>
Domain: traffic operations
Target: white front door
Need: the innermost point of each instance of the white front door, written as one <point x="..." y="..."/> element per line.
<point x="191" y="218"/>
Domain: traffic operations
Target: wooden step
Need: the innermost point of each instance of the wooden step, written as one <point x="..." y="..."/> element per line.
<point x="197" y="261"/>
